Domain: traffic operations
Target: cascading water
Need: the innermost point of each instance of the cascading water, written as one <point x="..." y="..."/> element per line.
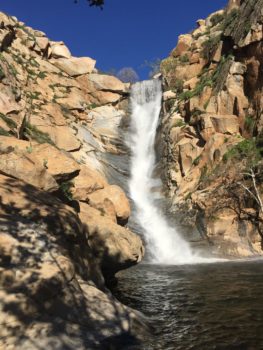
<point x="164" y="243"/>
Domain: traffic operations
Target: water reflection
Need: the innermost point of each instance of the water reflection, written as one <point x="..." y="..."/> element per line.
<point x="216" y="306"/>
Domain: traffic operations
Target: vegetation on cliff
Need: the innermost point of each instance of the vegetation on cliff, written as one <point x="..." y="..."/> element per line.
<point x="212" y="127"/>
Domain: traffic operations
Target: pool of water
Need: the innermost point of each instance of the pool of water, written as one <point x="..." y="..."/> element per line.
<point x="212" y="306"/>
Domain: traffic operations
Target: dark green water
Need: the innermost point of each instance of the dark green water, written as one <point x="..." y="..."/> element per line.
<point x="215" y="306"/>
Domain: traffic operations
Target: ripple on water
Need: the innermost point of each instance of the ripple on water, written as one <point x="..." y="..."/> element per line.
<point x="215" y="306"/>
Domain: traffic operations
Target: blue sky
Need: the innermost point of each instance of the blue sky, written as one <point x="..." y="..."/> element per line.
<point x="125" y="34"/>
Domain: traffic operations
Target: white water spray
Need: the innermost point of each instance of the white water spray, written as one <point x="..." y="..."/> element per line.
<point x="164" y="243"/>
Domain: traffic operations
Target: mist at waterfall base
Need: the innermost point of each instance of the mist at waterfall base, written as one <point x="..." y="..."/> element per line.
<point x="164" y="243"/>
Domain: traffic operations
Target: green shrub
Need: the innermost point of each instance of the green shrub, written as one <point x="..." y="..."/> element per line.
<point x="217" y="18"/>
<point x="34" y="63"/>
<point x="2" y="73"/>
<point x="13" y="71"/>
<point x="29" y="149"/>
<point x="198" y="35"/>
<point x="178" y="86"/>
<point x="205" y="80"/>
<point x="204" y="174"/>
<point x="92" y="106"/>
<point x="229" y="20"/>
<point x="33" y="95"/>
<point x="184" y="59"/>
<point x="196" y="112"/>
<point x="42" y="75"/>
<point x="250" y="150"/>
<point x="249" y="123"/>
<point x="65" y="111"/>
<point x="32" y="132"/>
<point x="3" y="132"/>
<point x="65" y="188"/>
<point x="210" y="46"/>
<point x="206" y="104"/>
<point x="180" y="123"/>
<point x="247" y="27"/>
<point x="196" y="160"/>
<point x="168" y="65"/>
<point x="11" y="123"/>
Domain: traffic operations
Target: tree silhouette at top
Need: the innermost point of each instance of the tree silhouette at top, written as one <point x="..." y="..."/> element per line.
<point x="97" y="3"/>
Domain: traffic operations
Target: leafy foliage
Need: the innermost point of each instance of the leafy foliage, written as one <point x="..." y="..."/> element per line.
<point x="210" y="46"/>
<point x="178" y="86"/>
<point x="205" y="80"/>
<point x="210" y="79"/>
<point x="249" y="150"/>
<point x="216" y="18"/>
<point x="184" y="59"/>
<point x="249" y="123"/>
<point x="180" y="123"/>
<point x="168" y="64"/>
<point x="65" y="188"/>
<point x="230" y="20"/>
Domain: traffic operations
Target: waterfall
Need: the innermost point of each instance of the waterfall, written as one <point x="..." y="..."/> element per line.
<point x="164" y="243"/>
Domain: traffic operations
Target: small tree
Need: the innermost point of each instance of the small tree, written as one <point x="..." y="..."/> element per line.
<point x="128" y="75"/>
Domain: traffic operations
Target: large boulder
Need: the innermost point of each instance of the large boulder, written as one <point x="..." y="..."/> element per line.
<point x="103" y="88"/>
<point x="60" y="50"/>
<point x="75" y="66"/>
<point x="115" y="195"/>
<point x="213" y="123"/>
<point x="183" y="45"/>
<point x="60" y="164"/>
<point x="88" y="181"/>
<point x="106" y="82"/>
<point x="63" y="136"/>
<point x="225" y="124"/>
<point x="115" y="247"/>
<point x="42" y="42"/>
<point x="24" y="166"/>
<point x="46" y="297"/>
<point x="7" y="100"/>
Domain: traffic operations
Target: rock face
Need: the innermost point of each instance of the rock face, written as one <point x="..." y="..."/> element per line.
<point x="76" y="65"/>
<point x="62" y="224"/>
<point x="116" y="247"/>
<point x="116" y="196"/>
<point x="46" y="272"/>
<point x="210" y="137"/>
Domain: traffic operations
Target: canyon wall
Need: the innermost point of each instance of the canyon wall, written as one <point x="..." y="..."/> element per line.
<point x="210" y="135"/>
<point x="63" y="224"/>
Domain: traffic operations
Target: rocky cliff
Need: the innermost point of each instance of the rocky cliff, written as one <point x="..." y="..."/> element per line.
<point x="210" y="135"/>
<point x="62" y="223"/>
